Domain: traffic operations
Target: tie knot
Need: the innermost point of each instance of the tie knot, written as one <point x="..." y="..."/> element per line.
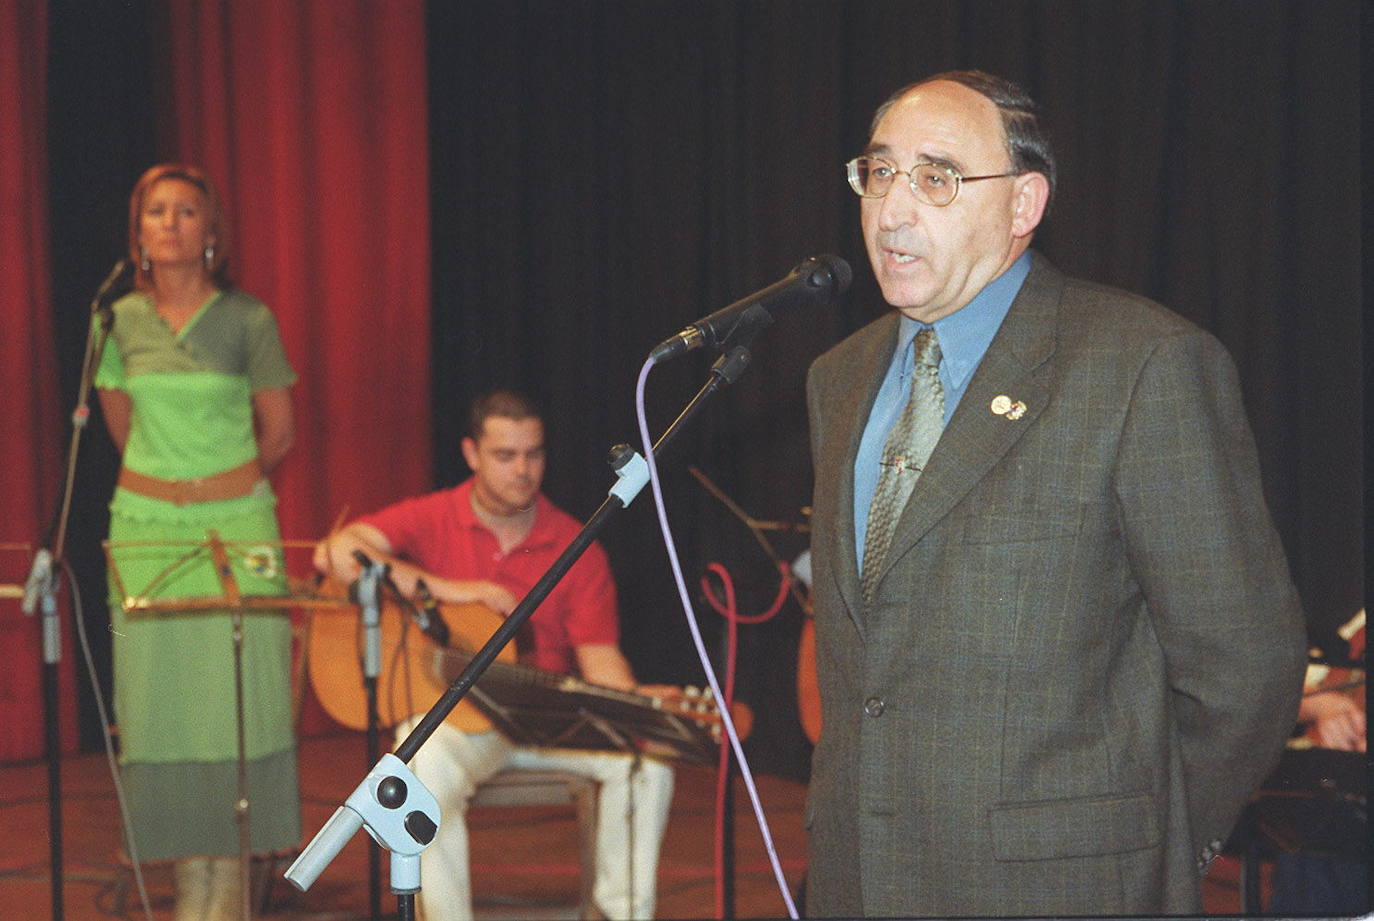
<point x="926" y="348"/>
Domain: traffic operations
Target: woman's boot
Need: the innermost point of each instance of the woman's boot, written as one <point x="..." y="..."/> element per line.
<point x="225" y="900"/>
<point x="191" y="877"/>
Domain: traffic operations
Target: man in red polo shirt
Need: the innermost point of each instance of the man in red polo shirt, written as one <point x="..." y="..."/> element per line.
<point x="488" y="540"/>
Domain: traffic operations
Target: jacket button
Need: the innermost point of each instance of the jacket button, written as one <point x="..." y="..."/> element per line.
<point x="874" y="706"/>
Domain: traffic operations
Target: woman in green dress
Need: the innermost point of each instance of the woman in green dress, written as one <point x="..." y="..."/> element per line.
<point x="195" y="389"/>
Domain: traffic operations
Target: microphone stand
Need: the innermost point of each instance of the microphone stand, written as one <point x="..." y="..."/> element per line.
<point x="369" y="589"/>
<point x="40" y="588"/>
<point x="397" y="810"/>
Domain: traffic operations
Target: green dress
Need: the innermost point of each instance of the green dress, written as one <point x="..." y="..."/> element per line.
<point x="174" y="688"/>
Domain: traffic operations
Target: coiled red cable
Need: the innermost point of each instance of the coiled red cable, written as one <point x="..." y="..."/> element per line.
<point x="728" y="609"/>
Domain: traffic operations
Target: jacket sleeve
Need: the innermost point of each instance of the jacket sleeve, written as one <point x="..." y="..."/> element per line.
<point x="1213" y="573"/>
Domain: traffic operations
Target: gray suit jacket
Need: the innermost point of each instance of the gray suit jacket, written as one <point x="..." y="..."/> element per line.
<point x="1085" y="651"/>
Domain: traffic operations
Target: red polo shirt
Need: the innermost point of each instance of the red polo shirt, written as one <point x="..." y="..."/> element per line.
<point x="440" y="532"/>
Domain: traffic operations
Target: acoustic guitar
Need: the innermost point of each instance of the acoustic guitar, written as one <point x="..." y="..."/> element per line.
<point x="415" y="672"/>
<point x="406" y="682"/>
<point x="808" y="688"/>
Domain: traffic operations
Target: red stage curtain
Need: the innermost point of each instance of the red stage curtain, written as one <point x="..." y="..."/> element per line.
<point x="31" y="436"/>
<point x="311" y="118"/>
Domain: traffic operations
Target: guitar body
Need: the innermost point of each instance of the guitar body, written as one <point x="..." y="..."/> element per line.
<point x="547" y="708"/>
<point x="808" y="689"/>
<point x="406" y="684"/>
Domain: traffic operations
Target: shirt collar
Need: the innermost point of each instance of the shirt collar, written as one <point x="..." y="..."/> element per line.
<point x="541" y="532"/>
<point x="965" y="334"/>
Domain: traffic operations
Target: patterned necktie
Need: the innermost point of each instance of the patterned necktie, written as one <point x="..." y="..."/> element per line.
<point x="905" y="453"/>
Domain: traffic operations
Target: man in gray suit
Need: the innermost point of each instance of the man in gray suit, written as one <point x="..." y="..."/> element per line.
<point x="1057" y="654"/>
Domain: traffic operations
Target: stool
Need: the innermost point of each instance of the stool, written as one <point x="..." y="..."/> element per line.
<point x="514" y="787"/>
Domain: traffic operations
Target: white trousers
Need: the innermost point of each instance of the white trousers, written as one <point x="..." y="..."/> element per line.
<point x="632" y="812"/>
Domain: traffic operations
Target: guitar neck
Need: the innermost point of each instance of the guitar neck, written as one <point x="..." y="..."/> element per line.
<point x="455" y="660"/>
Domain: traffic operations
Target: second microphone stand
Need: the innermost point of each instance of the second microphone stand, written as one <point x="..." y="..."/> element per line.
<point x="40" y="590"/>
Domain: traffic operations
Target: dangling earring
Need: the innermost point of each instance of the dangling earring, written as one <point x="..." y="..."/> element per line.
<point x="143" y="258"/>
<point x="209" y="256"/>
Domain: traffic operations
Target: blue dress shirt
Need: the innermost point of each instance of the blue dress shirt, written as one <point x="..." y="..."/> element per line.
<point x="964" y="337"/>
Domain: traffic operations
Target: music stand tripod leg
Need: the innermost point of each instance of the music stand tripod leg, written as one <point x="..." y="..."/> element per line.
<point x="230" y="588"/>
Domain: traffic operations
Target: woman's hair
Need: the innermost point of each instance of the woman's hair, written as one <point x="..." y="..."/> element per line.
<point x="218" y="269"/>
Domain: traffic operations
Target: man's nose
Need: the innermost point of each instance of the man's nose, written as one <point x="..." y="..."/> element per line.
<point x="899" y="206"/>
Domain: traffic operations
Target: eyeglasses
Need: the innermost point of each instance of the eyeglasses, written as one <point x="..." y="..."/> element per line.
<point x="932" y="183"/>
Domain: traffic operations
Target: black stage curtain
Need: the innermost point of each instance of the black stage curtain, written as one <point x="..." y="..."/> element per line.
<point x="101" y="137"/>
<point x="605" y="172"/>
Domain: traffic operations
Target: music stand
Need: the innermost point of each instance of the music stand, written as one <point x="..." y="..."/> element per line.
<point x="537" y="708"/>
<point x="217" y="552"/>
<point x="15" y="590"/>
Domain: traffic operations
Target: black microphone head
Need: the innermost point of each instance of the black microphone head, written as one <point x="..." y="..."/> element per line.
<point x="828" y="272"/>
<point x="817" y="279"/>
<point x="120" y="280"/>
<point x="118" y="283"/>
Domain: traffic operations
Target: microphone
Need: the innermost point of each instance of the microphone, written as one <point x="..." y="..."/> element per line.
<point x="816" y="280"/>
<point x="367" y="568"/>
<point x="432" y="623"/>
<point x="115" y="286"/>
<point x="40" y="575"/>
<point x="426" y="617"/>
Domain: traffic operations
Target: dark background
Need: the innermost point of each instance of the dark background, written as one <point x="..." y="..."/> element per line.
<point x="604" y="172"/>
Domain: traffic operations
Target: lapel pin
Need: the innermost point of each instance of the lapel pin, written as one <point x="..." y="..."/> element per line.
<point x="1003" y="405"/>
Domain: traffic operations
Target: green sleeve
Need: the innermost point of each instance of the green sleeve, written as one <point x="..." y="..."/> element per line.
<point x="268" y="367"/>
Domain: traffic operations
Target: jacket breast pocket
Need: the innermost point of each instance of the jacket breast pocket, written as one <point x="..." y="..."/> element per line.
<point x="1078" y="827"/>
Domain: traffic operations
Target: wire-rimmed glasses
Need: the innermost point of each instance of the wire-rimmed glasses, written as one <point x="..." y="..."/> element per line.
<point x="933" y="183"/>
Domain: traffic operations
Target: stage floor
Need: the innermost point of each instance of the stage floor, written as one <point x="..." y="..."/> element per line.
<point x="524" y="860"/>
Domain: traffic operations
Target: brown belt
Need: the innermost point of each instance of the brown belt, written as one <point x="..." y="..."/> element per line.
<point x="227" y="484"/>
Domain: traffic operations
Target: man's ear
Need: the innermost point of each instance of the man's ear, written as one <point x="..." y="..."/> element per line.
<point x="469" y="451"/>
<point x="1030" y="196"/>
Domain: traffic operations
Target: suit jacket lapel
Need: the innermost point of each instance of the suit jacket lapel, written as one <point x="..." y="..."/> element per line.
<point x="854" y="404"/>
<point x="976" y="437"/>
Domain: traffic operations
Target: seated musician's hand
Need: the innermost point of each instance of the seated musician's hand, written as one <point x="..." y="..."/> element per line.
<point x="494" y="595"/>
<point x="332" y="559"/>
<point x="499" y="598"/>
<point x="320" y="558"/>
<point x="1339" y="723"/>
